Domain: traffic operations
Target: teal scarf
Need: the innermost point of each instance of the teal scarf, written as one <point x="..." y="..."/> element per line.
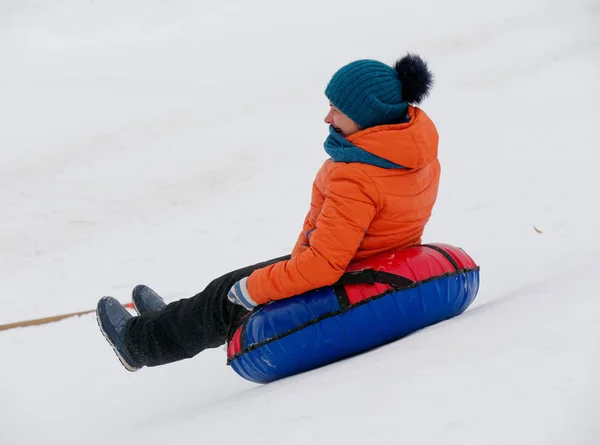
<point x="341" y="150"/>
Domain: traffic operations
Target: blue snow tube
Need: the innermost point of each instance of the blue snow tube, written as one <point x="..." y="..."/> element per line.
<point x="377" y="301"/>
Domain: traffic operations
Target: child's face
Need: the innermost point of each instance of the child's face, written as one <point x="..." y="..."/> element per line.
<point x="340" y="122"/>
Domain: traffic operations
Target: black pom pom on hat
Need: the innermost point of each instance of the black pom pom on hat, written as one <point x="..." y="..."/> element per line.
<point x="415" y="77"/>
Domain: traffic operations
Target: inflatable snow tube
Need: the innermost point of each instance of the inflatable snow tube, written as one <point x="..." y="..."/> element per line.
<point x="377" y="301"/>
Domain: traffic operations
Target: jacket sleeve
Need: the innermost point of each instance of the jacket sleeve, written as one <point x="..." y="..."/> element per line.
<point x="302" y="242"/>
<point x="316" y="205"/>
<point x="349" y="206"/>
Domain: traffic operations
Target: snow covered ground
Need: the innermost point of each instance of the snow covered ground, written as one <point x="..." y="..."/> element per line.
<point x="166" y="142"/>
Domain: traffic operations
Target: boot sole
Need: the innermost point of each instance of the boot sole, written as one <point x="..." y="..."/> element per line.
<point x="135" y="307"/>
<point x="126" y="365"/>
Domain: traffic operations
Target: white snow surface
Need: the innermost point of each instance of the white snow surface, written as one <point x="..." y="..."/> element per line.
<point x="167" y="142"/>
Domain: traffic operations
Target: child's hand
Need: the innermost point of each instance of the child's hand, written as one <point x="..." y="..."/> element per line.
<point x="239" y="294"/>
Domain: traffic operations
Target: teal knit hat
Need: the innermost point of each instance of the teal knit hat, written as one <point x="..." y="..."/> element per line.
<point x="372" y="93"/>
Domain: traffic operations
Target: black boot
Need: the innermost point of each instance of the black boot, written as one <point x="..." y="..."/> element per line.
<point x="145" y="300"/>
<point x="112" y="318"/>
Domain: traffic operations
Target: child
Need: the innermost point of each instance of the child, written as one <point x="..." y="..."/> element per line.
<point x="375" y="194"/>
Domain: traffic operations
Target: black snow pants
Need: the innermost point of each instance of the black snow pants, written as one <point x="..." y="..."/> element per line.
<point x="188" y="326"/>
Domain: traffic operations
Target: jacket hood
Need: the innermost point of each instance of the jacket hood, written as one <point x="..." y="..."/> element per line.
<point x="413" y="144"/>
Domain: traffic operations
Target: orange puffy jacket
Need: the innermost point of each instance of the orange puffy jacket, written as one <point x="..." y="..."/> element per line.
<point x="359" y="210"/>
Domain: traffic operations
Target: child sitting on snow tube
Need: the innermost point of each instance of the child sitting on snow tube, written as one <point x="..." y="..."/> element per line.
<point x="375" y="194"/>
